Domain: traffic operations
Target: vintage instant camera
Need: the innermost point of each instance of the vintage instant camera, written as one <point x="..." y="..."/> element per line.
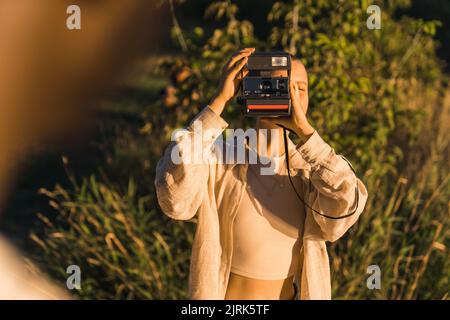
<point x="265" y="89"/>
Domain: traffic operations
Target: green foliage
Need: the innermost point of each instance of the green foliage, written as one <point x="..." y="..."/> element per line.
<point x="205" y="59"/>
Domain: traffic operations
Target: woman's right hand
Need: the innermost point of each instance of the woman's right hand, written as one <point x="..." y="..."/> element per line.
<point x="230" y="79"/>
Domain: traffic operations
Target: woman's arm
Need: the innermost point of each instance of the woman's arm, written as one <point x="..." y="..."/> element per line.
<point x="334" y="190"/>
<point x="183" y="171"/>
<point x="335" y="197"/>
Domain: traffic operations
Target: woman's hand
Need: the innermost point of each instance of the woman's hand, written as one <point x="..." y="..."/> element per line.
<point x="230" y="79"/>
<point x="297" y="122"/>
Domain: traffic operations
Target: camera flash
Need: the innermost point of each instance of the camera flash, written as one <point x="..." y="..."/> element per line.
<point x="279" y="61"/>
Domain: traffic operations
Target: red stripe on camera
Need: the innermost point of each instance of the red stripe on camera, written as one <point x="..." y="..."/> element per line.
<point x="267" y="106"/>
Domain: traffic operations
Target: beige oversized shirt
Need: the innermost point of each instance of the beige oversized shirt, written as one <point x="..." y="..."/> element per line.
<point x="213" y="189"/>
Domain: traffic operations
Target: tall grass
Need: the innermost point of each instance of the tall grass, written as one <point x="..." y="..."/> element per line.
<point x="405" y="227"/>
<point x="123" y="246"/>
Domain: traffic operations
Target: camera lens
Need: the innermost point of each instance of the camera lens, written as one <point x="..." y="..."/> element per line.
<point x="266" y="85"/>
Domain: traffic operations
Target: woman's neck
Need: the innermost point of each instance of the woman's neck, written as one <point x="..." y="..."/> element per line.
<point x="270" y="139"/>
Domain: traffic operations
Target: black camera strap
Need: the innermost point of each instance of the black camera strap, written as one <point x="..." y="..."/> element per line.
<point x="296" y="192"/>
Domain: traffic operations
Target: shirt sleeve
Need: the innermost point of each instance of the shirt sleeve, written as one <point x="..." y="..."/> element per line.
<point x="182" y="173"/>
<point x="334" y="189"/>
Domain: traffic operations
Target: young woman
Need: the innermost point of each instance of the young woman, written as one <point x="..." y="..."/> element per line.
<point x="259" y="236"/>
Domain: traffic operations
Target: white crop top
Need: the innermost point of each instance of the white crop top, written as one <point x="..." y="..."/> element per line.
<point x="268" y="228"/>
